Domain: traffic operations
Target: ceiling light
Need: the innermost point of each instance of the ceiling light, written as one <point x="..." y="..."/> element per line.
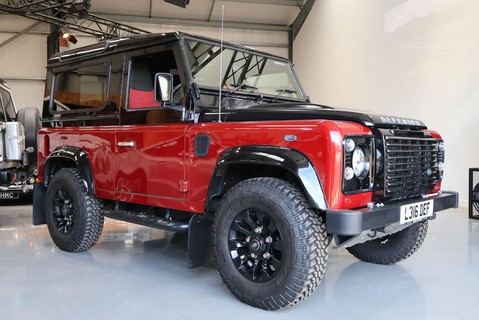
<point x="67" y="36"/>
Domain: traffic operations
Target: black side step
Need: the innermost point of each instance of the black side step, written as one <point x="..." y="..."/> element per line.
<point x="148" y="221"/>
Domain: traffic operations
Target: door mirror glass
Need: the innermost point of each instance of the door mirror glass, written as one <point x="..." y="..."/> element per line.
<point x="163" y="87"/>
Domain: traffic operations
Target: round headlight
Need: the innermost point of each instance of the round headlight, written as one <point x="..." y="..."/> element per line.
<point x="440" y="166"/>
<point x="441" y="146"/>
<point x="348" y="173"/>
<point x="360" y="163"/>
<point x="349" y="145"/>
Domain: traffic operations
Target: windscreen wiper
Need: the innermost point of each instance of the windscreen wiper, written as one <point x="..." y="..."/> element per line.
<point x="240" y="86"/>
<point x="281" y="92"/>
<point x="244" y="86"/>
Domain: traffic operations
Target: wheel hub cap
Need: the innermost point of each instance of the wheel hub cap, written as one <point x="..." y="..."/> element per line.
<point x="257" y="246"/>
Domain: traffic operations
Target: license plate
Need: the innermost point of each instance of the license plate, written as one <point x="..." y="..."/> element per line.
<point x="9" y="195"/>
<point x="416" y="211"/>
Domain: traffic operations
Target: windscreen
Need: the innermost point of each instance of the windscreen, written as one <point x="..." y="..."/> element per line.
<point x="242" y="71"/>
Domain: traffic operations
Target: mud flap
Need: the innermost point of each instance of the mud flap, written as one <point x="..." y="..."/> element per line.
<point x="39" y="192"/>
<point x="199" y="240"/>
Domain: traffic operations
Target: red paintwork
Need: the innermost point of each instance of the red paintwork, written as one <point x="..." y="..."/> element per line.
<point x="156" y="169"/>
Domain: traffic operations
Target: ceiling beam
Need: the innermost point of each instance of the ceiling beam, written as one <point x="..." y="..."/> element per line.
<point x="294" y="3"/>
<point x="45" y="33"/>
<point x="194" y="22"/>
<point x="297" y="24"/>
<point x="64" y="14"/>
<point x="21" y="33"/>
<point x="301" y="18"/>
<point x="211" y="10"/>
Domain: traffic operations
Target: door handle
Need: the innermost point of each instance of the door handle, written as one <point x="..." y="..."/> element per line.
<point x="128" y="144"/>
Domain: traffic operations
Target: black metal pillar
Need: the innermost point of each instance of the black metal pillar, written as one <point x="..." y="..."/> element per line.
<point x="53" y="41"/>
<point x="295" y="27"/>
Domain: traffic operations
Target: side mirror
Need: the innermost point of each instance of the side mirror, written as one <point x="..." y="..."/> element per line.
<point x="163" y="87"/>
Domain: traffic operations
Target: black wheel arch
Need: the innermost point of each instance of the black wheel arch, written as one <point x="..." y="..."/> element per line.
<point x="62" y="157"/>
<point x="246" y="162"/>
<point x="70" y="157"/>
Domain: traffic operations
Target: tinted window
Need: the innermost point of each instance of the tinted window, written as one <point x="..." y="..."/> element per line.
<point x="80" y="89"/>
<point x="141" y="85"/>
<point x="142" y="78"/>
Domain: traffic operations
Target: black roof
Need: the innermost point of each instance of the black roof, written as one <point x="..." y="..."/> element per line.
<point x="136" y="42"/>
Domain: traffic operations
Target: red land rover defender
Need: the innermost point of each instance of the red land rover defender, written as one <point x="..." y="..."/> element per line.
<point x="181" y="133"/>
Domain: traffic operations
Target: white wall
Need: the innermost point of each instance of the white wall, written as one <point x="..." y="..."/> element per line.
<point x="23" y="61"/>
<point x="412" y="58"/>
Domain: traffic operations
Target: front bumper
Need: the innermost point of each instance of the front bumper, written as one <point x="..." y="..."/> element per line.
<point x="354" y="222"/>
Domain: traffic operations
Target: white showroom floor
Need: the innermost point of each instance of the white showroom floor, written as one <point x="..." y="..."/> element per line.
<point x="139" y="273"/>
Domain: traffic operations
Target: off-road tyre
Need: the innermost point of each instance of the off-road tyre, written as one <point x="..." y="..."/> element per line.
<point x="393" y="248"/>
<point x="271" y="219"/>
<point x="74" y="217"/>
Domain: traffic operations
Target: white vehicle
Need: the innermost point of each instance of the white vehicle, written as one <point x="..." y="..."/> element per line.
<point x="18" y="144"/>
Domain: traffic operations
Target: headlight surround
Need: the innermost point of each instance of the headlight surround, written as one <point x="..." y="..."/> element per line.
<point x="358" y="162"/>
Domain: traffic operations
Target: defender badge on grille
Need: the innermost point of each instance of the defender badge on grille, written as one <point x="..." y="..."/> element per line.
<point x="428" y="171"/>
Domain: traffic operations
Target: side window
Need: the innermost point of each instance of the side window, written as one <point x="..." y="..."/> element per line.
<point x="83" y="89"/>
<point x="7" y="109"/>
<point x="141" y="85"/>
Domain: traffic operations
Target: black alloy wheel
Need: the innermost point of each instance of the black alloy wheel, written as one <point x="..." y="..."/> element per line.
<point x="63" y="211"/>
<point x="256" y="246"/>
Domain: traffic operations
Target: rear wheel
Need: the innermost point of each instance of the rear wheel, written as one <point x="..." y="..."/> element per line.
<point x="73" y="215"/>
<point x="393" y="248"/>
<point x="271" y="247"/>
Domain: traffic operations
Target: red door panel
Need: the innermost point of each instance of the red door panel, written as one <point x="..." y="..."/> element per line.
<point x="150" y="162"/>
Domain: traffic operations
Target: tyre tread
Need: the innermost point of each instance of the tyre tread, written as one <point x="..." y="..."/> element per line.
<point x="92" y="218"/>
<point x="310" y="236"/>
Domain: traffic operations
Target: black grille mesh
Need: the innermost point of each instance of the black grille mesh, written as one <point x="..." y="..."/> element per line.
<point x="410" y="166"/>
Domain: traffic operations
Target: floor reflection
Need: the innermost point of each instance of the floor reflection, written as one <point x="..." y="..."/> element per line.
<point x="387" y="288"/>
<point x="473" y="242"/>
<point x="136" y="272"/>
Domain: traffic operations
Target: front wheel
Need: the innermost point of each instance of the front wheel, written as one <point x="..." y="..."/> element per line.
<point x="73" y="215"/>
<point x="270" y="246"/>
<point x="392" y="248"/>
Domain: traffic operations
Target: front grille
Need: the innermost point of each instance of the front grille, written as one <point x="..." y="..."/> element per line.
<point x="410" y="166"/>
